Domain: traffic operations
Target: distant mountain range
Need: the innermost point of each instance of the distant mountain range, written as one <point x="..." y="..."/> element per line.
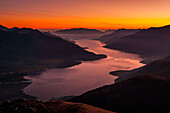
<point x="79" y="31"/>
<point x="109" y="31"/>
<point x="152" y="43"/>
<point x="117" y="34"/>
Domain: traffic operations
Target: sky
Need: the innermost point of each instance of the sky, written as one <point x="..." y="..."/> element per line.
<point x="95" y="14"/>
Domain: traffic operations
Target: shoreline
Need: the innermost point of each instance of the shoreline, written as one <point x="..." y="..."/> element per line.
<point x="80" y="63"/>
<point x="66" y="64"/>
<point x="16" y="81"/>
<point x="146" y="58"/>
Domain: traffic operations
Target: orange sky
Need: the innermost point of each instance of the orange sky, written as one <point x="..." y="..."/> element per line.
<point x="99" y="14"/>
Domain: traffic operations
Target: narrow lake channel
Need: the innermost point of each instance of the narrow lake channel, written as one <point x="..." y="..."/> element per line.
<point x="84" y="77"/>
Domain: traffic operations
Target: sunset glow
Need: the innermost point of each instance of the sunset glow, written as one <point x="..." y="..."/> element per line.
<point x="99" y="14"/>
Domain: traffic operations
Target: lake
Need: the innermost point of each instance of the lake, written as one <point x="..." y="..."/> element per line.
<point x="84" y="77"/>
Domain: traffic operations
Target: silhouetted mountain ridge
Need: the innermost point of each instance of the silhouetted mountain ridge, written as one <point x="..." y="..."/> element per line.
<point x="149" y="43"/>
<point x="32" y="43"/>
<point x="159" y="67"/>
<point x="35" y="106"/>
<point x="117" y="34"/>
<point x="3" y="28"/>
<point x="141" y="94"/>
<point x="79" y="31"/>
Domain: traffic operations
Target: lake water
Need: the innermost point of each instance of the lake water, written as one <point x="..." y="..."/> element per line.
<point x="84" y="77"/>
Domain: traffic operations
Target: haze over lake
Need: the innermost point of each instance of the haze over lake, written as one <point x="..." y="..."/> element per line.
<point x="84" y="77"/>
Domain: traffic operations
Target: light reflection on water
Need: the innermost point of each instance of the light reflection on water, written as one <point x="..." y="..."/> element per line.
<point x="81" y="78"/>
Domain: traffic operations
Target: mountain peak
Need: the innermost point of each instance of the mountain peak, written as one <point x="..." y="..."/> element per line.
<point x="3" y="28"/>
